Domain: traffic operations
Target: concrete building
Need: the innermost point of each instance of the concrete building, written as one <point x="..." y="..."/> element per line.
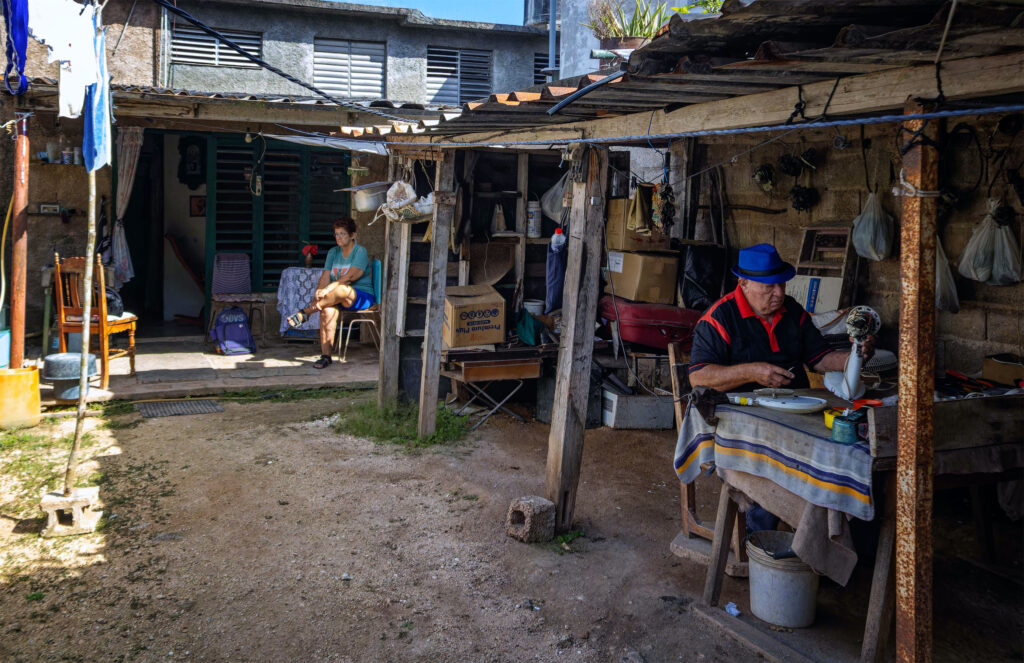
<point x="353" y="51"/>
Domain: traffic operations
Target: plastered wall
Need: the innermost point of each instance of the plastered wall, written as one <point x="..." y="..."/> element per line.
<point x="990" y="317"/>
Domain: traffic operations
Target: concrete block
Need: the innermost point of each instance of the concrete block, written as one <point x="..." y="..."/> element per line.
<point x="1005" y="327"/>
<point x="968" y="323"/>
<point x="531" y="519"/>
<point x="71" y="514"/>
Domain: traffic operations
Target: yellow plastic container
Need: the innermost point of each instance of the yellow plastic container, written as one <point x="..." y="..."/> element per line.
<point x="19" y="397"/>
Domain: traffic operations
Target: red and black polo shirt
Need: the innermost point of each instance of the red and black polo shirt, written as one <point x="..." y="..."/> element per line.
<point x="731" y="333"/>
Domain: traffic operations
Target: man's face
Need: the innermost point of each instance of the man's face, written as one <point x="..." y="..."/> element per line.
<point x="764" y="298"/>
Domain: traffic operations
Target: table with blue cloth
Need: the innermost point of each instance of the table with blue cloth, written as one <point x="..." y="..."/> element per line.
<point x="295" y="292"/>
<point x="788" y="464"/>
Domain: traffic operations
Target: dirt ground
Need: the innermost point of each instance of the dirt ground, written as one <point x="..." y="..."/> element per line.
<point x="259" y="534"/>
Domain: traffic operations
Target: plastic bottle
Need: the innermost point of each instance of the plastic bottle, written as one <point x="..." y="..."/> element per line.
<point x="557" y="240"/>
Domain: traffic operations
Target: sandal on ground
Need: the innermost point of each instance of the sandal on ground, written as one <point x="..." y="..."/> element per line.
<point x="297" y="319"/>
<point x="323" y="362"/>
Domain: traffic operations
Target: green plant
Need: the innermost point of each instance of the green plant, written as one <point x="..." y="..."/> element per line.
<point x="705" y="6"/>
<point x="607" y="19"/>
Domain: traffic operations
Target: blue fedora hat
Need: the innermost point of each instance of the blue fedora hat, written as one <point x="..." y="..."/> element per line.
<point x="762" y="263"/>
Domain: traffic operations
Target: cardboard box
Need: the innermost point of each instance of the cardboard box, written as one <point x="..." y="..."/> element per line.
<point x="642" y="277"/>
<point x="473" y="315"/>
<point x="817" y="294"/>
<point x="1002" y="368"/>
<point x="621" y="239"/>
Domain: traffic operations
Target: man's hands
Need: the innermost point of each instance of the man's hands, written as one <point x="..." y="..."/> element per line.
<point x="867" y="346"/>
<point x="769" y="375"/>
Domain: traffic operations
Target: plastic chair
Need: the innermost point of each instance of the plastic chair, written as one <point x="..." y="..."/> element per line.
<point x="69" y="280"/>
<point x="232" y="286"/>
<point x="370" y="316"/>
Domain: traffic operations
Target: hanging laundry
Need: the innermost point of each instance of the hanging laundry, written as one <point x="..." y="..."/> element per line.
<point x="16" y="23"/>
<point x="69" y="30"/>
<point x="97" y="118"/>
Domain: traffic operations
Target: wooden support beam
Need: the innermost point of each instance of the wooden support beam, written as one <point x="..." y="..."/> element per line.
<point x="572" y="383"/>
<point x="387" y="381"/>
<point x="522" y="184"/>
<point x="444" y="209"/>
<point x="867" y="93"/>
<point x="916" y="408"/>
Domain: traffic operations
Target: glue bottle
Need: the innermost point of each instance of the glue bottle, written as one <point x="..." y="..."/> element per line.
<point x="557" y="240"/>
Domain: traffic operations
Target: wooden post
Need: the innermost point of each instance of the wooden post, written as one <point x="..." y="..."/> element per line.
<point x="916" y="408"/>
<point x="572" y="383"/>
<point x="19" y="246"/>
<point x="444" y="208"/>
<point x="522" y="184"/>
<point x="387" y="378"/>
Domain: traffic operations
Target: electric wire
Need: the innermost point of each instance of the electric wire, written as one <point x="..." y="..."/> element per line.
<point x="166" y="4"/>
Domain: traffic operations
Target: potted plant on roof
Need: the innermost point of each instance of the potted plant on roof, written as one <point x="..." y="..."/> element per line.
<point x="610" y="25"/>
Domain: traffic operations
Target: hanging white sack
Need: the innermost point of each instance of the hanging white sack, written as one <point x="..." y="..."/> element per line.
<point x="976" y="260"/>
<point x="1006" y="267"/>
<point x="946" y="298"/>
<point x="551" y="201"/>
<point x="873" y="231"/>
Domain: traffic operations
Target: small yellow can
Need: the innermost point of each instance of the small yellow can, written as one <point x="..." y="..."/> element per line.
<point x="830" y="414"/>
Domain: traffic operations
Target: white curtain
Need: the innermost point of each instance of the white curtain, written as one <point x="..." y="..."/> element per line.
<point x="129" y="145"/>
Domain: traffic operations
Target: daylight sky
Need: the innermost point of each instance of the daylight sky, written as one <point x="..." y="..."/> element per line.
<point x="510" y="12"/>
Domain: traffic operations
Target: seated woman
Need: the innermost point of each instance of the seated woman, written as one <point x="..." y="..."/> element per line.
<point x="345" y="283"/>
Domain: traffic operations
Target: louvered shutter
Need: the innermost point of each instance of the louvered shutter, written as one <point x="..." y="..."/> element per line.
<point x="190" y="45"/>
<point x="282" y="184"/>
<point x="540" y="63"/>
<point x="233" y="205"/>
<point x="457" y="76"/>
<point x="352" y="69"/>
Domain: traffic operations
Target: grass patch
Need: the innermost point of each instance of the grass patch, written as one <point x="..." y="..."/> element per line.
<point x="22" y="439"/>
<point x="396" y="424"/>
<point x="34" y="596"/>
<point x="287" y="395"/>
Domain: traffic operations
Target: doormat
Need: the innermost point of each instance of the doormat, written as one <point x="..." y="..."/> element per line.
<point x="175" y="408"/>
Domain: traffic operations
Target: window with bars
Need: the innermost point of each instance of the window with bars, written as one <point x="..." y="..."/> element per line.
<point x="540" y="63"/>
<point x="455" y="76"/>
<point x="353" y="69"/>
<point x="297" y="205"/>
<point x="190" y="45"/>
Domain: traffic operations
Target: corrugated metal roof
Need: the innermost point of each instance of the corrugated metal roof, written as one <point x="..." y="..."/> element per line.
<point x="752" y="48"/>
<point x="428" y="110"/>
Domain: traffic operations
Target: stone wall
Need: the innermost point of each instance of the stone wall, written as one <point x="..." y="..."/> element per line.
<point x="990" y="317"/>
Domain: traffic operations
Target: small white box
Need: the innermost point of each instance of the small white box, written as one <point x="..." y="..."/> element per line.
<point x="49" y="208"/>
<point x="638" y="412"/>
<point x="817" y="294"/>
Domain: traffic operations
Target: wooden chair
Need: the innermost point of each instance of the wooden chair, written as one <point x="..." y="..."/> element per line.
<point x="69" y="280"/>
<point x="366" y="318"/>
<point x="692" y="525"/>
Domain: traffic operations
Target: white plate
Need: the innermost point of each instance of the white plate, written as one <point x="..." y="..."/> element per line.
<point x="794" y="404"/>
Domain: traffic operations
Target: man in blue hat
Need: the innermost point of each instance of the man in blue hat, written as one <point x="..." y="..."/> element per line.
<point x="756" y="336"/>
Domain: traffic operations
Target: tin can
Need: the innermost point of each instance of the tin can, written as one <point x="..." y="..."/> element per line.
<point x="533" y="219"/>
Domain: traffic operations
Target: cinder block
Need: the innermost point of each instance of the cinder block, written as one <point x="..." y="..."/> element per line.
<point x="71" y="514"/>
<point x="531" y="519"/>
<point x="967" y="324"/>
<point x="1005" y="327"/>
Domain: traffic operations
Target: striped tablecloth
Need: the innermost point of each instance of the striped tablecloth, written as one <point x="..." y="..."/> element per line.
<point x="793" y="450"/>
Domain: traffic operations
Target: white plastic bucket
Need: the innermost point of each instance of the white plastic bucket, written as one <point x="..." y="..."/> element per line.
<point x="534" y="306"/>
<point x="533" y="219"/>
<point x="783" y="592"/>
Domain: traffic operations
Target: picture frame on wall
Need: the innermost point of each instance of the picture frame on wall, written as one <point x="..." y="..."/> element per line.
<point x="197" y="205"/>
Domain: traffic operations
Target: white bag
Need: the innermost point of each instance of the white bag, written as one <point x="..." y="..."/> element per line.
<point x="551" y="201"/>
<point x="976" y="260"/>
<point x="873" y="231"/>
<point x="946" y="298"/>
<point x="1006" y="267"/>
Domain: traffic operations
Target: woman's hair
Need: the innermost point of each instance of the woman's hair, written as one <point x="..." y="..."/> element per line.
<point x="347" y="223"/>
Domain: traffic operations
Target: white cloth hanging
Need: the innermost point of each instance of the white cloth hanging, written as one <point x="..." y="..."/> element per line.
<point x="129" y="146"/>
